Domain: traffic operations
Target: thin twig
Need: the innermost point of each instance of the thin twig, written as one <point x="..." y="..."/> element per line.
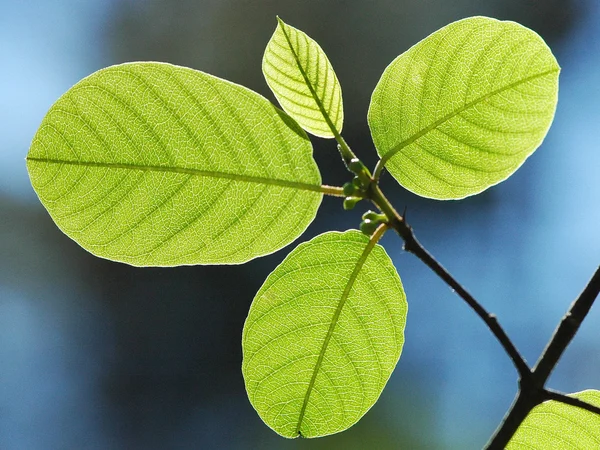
<point x="560" y="397"/>
<point x="532" y="391"/>
<point x="567" y="328"/>
<point x="413" y="246"/>
<point x="512" y="420"/>
<point x="334" y="191"/>
<point x="531" y="382"/>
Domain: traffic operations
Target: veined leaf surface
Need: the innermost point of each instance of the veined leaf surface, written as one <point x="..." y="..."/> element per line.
<point x="461" y="110"/>
<point x="556" y="426"/>
<point x="302" y="78"/>
<point x="323" y="335"/>
<point x="158" y="165"/>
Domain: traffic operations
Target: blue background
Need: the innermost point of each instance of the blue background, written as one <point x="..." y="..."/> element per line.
<point x="100" y="355"/>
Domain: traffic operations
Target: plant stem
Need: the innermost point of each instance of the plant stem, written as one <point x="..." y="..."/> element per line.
<point x="531" y="382"/>
<point x="347" y="153"/>
<point x="517" y="413"/>
<point x="413" y="246"/>
<point x="531" y="389"/>
<point x="334" y="191"/>
<point x="560" y="397"/>
<point x="397" y="222"/>
<point x="378" y="169"/>
<point x="567" y="328"/>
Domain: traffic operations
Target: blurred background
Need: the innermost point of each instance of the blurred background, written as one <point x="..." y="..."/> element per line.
<point x="100" y="355"/>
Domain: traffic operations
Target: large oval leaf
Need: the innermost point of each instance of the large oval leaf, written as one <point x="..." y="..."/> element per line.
<point x="556" y="426"/>
<point x="302" y="78"/>
<point x="323" y="335"/>
<point x="154" y="164"/>
<point x="462" y="109"/>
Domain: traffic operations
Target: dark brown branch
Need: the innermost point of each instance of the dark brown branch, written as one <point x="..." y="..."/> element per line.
<point x="513" y="418"/>
<point x="531" y="382"/>
<point x="529" y="397"/>
<point x="413" y="246"/>
<point x="566" y="329"/>
<point x="531" y="391"/>
<point x="560" y="397"/>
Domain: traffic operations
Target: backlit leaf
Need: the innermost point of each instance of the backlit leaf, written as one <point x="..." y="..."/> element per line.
<point x="323" y="335"/>
<point x="154" y="164"/>
<point x="556" y="426"/>
<point x="302" y="78"/>
<point x="461" y="110"/>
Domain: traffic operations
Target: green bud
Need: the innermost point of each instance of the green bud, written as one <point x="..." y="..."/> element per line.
<point x="349" y="189"/>
<point x="375" y="217"/>
<point x="356" y="182"/>
<point x="368" y="227"/>
<point x="356" y="166"/>
<point x="350" y="202"/>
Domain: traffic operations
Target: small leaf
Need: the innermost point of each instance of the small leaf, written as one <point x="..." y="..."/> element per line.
<point x="302" y="78"/>
<point x="554" y="425"/>
<point x="323" y="335"/>
<point x="461" y="110"/>
<point x="155" y="164"/>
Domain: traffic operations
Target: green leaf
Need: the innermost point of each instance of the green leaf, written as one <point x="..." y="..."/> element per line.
<point x="155" y="164"/>
<point x="302" y="78"/>
<point x="323" y="335"/>
<point x="554" y="425"/>
<point x="461" y="110"/>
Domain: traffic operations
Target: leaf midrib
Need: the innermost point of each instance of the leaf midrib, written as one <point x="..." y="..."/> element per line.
<point x="385" y="158"/>
<point x="183" y="170"/>
<point x="311" y="88"/>
<point x="359" y="265"/>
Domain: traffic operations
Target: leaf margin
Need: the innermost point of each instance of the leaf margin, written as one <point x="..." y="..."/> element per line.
<point x="33" y="158"/>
